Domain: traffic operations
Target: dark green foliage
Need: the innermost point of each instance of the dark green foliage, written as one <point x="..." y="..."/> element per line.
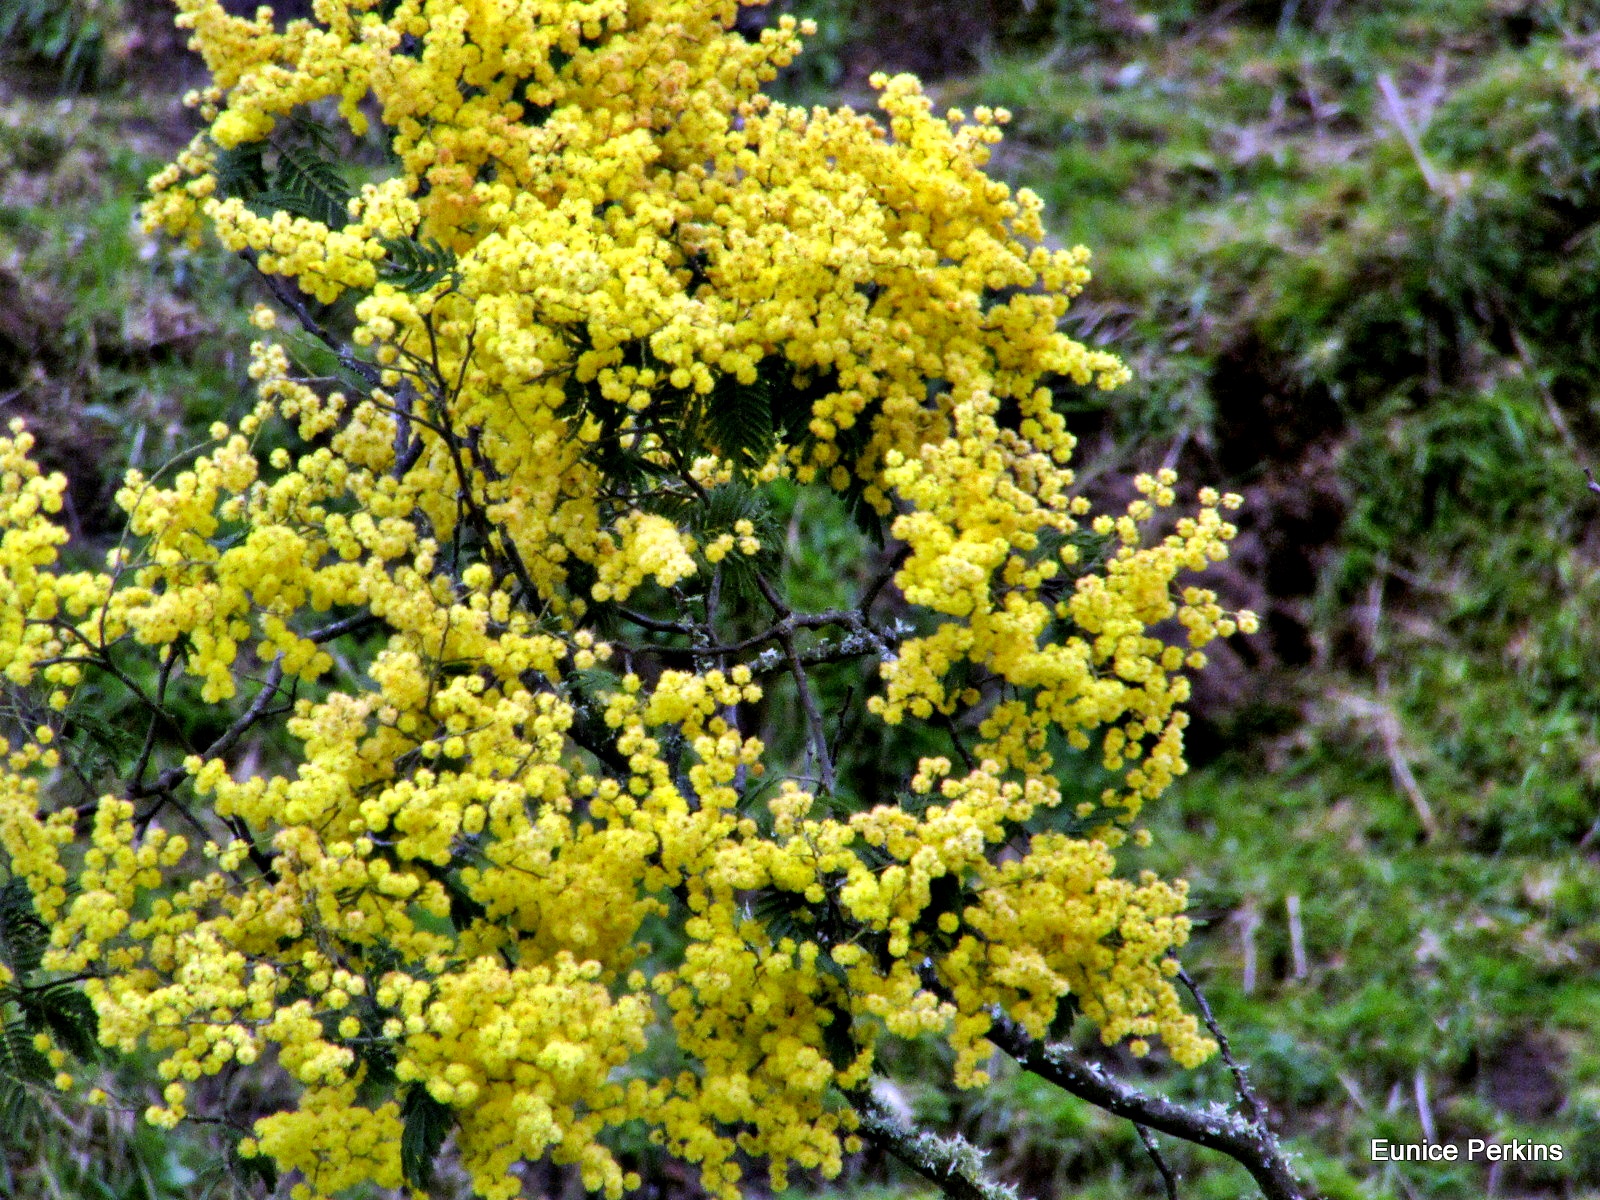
<point x="242" y="170"/>
<point x="374" y="1052"/>
<point x="784" y="914"/>
<point x="30" y="1006"/>
<point x="426" y="1125"/>
<point x="23" y="936"/>
<point x="721" y="510"/>
<point x="66" y="1014"/>
<point x="416" y="266"/>
<point x="838" y="1040"/>
<point x="593" y="685"/>
<point x="64" y="37"/>
<point x="20" y="1060"/>
<point x="21" y="1064"/>
<point x="307" y="185"/>
<point x="742" y="423"/>
<point x="251" y="1168"/>
<point x="740" y="418"/>
<point x="302" y="178"/>
<point x="464" y="907"/>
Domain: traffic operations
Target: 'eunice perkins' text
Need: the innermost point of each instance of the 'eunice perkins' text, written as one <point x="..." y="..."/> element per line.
<point x="1478" y="1150"/>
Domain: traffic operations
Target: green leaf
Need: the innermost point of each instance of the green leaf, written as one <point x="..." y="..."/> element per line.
<point x="426" y="1124"/>
<point x="23" y="935"/>
<point x="311" y="133"/>
<point x="15" y="1106"/>
<point x="740" y="422"/>
<point x="257" y="1166"/>
<point x="306" y="185"/>
<point x="785" y="915"/>
<point x="241" y="171"/>
<point x="416" y="266"/>
<point x="725" y="506"/>
<point x="1061" y="1024"/>
<point x="722" y="509"/>
<point x="464" y="908"/>
<point x="375" y="1053"/>
<point x="66" y="1014"/>
<point x="828" y="965"/>
<point x="793" y="404"/>
<point x="379" y="1058"/>
<point x="837" y="1040"/>
<point x="21" y="1061"/>
<point x="593" y="684"/>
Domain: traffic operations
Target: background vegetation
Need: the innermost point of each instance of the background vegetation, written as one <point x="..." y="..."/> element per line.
<point x="1353" y="252"/>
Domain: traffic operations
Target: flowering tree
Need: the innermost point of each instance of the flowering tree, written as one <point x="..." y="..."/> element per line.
<point x="487" y="843"/>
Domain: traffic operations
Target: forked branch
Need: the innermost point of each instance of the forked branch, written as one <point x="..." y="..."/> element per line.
<point x="1249" y="1143"/>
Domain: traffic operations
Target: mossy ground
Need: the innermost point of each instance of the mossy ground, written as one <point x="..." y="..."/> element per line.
<point x="1351" y="251"/>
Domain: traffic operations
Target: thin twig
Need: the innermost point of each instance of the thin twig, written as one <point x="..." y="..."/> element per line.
<point x="1168" y="1179"/>
<point x="173" y="653"/>
<point x="1247" y="1095"/>
<point x="949" y="726"/>
<point x="808" y="701"/>
<point x="1397" y="114"/>
<point x="1297" y="936"/>
<point x="356" y="624"/>
<point x="1388" y="726"/>
<point x="251" y="715"/>
<point x="882" y="581"/>
<point x="789" y="624"/>
<point x="287" y="295"/>
<point x="1249" y="1142"/>
<point x="659" y="626"/>
<point x="407" y="448"/>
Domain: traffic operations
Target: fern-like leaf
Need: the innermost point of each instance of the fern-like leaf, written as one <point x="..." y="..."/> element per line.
<point x="785" y="914"/>
<point x="838" y="1043"/>
<point x="241" y="171"/>
<point x="306" y="185"/>
<point x="416" y="266"/>
<point x="256" y="1166"/>
<point x="66" y="1014"/>
<point x="425" y="1125"/>
<point x="739" y="419"/>
<point x="721" y="510"/>
<point x="23" y="935"/>
<point x="311" y="133"/>
<point x="20" y="1060"/>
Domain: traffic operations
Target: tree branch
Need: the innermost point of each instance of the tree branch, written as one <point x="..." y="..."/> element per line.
<point x="1168" y="1179"/>
<point x="1252" y="1145"/>
<point x="808" y="701"/>
<point x="287" y="294"/>
<point x="1247" y="1096"/>
<point x="953" y="1165"/>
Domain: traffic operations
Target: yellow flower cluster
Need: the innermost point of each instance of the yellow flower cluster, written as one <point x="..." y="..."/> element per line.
<point x="453" y="877"/>
<point x="646" y="546"/>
